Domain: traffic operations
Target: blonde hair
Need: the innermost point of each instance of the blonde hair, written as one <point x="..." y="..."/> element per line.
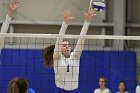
<point x="18" y="85"/>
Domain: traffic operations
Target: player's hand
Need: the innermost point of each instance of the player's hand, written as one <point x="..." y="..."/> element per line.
<point x="67" y="16"/>
<point x="12" y="7"/>
<point x="89" y="15"/>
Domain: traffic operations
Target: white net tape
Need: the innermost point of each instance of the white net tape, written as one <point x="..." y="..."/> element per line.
<point x="92" y="42"/>
<point x="70" y="36"/>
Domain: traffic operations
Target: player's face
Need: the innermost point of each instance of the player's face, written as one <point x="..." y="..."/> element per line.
<point x="122" y="87"/>
<point x="102" y="82"/>
<point x="65" y="49"/>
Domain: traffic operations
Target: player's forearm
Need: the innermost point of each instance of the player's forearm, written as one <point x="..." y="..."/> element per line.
<point x="10" y="14"/>
<point x="59" y="40"/>
<point x="85" y="28"/>
<point x="63" y="28"/>
<point x="80" y="43"/>
<point x="6" y="24"/>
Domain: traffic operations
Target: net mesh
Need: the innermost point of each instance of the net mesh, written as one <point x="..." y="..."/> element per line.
<point x="114" y="57"/>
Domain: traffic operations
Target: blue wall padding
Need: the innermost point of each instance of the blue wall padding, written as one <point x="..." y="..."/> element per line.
<point x="115" y="66"/>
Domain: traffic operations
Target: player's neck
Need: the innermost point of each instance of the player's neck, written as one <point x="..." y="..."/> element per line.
<point x="121" y="92"/>
<point x="102" y="88"/>
<point x="66" y="56"/>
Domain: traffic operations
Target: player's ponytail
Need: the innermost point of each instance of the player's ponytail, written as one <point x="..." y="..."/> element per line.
<point x="47" y="55"/>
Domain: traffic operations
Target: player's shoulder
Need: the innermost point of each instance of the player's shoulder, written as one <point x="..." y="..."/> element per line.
<point x="30" y="90"/>
<point x="107" y="89"/>
<point x="72" y="54"/>
<point x="96" y="90"/>
<point x="138" y="86"/>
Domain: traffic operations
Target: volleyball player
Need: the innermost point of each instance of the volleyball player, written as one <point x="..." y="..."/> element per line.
<point x="11" y="10"/>
<point x="138" y="86"/>
<point x="66" y="63"/>
<point x="102" y="88"/>
<point x="122" y="87"/>
<point x="18" y="85"/>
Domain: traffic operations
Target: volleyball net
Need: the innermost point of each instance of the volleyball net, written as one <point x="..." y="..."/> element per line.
<point x="114" y="57"/>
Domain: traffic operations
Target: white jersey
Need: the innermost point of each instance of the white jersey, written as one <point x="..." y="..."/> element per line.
<point x="138" y="89"/>
<point x="67" y="72"/>
<point x="106" y="90"/>
<point x="4" y="29"/>
<point x="67" y="69"/>
<point x="124" y="92"/>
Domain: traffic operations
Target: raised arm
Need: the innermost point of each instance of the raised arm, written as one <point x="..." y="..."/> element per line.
<point x="11" y="10"/>
<point x="67" y="18"/>
<point x="80" y="43"/>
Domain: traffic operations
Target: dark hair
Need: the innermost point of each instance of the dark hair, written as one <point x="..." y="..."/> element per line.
<point x="47" y="55"/>
<point x="104" y="79"/>
<point x="124" y="84"/>
<point x="65" y="39"/>
<point x="18" y="85"/>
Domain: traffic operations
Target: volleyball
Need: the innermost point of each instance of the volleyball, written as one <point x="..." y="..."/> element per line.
<point x="97" y="6"/>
